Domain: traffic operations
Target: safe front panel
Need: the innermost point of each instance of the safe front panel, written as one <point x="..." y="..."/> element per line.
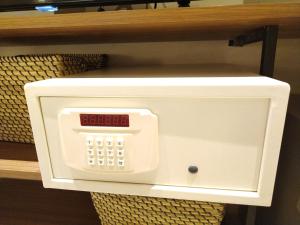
<point x="141" y="136"/>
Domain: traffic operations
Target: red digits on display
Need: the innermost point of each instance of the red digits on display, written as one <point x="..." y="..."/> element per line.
<point x="93" y="120"/>
<point x="124" y="120"/>
<point x="100" y="120"/>
<point x="115" y="120"/>
<point x="84" y="119"/>
<point x="107" y="120"/>
<point x="104" y="120"/>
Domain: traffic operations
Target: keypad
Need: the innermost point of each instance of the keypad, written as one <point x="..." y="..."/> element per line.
<point x="106" y="152"/>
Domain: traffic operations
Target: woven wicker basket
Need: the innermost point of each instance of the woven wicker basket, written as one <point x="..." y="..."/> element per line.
<point x="124" y="209"/>
<point x="18" y="70"/>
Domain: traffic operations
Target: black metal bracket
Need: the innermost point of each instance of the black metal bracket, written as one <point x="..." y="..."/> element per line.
<point x="268" y="35"/>
<point x="183" y="3"/>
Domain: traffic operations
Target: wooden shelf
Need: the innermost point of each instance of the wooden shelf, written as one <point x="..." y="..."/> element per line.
<point x="221" y="22"/>
<point x="18" y="161"/>
<point x="17" y="169"/>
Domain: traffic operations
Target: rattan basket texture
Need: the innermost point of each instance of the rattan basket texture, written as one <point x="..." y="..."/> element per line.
<point x="15" y="71"/>
<point x="126" y="209"/>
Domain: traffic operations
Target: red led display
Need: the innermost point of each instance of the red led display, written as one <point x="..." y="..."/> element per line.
<point x="104" y="120"/>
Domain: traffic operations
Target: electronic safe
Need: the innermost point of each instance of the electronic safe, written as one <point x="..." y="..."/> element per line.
<point x="198" y="138"/>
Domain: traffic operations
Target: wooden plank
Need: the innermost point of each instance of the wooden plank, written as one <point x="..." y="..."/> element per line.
<point x="18" y="161"/>
<point x="153" y="25"/>
<point x="17" y="169"/>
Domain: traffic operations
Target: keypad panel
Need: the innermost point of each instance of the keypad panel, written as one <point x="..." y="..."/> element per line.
<point x="106" y="152"/>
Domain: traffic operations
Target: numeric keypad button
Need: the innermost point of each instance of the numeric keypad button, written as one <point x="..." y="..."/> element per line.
<point x="101" y="162"/>
<point x="100" y="152"/>
<point x="89" y="141"/>
<point x="91" y="161"/>
<point x="99" y="141"/>
<point x="120" y="153"/>
<point x="121" y="163"/>
<point x="110" y="162"/>
<point x="109" y="142"/>
<point x="90" y="151"/>
<point x="120" y="142"/>
<point x="110" y="152"/>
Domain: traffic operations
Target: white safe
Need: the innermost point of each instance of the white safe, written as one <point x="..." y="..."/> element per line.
<point x="198" y="138"/>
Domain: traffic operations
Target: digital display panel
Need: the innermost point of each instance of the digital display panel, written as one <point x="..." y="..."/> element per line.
<point x="104" y="120"/>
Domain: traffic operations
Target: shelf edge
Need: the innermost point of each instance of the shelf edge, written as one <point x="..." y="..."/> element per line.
<point x="17" y="169"/>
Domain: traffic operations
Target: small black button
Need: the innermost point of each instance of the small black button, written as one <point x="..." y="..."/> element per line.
<point x="193" y="169"/>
